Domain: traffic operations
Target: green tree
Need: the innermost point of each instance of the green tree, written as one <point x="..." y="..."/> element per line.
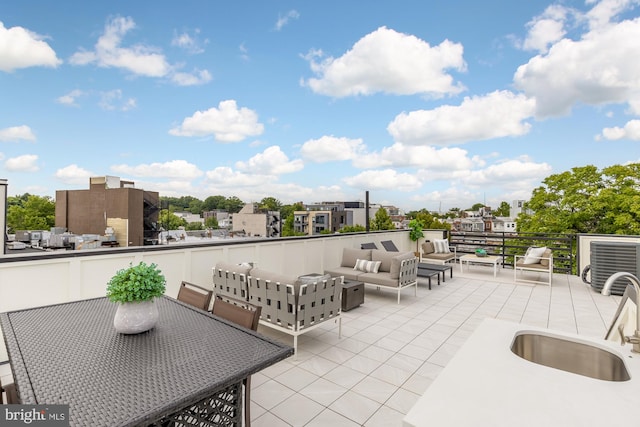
<point x="270" y="204"/>
<point x="381" y="221"/>
<point x="195" y="207"/>
<point x="415" y="232"/>
<point x="214" y="202"/>
<point x="428" y="220"/>
<point x="586" y="200"/>
<point x="233" y="204"/>
<point x="352" y="229"/>
<point x="30" y="212"/>
<point x="287" y="214"/>
<point x="503" y="210"/>
<point x="476" y="207"/>
<point x="194" y="226"/>
<point x="211" y="222"/>
<point x="171" y="221"/>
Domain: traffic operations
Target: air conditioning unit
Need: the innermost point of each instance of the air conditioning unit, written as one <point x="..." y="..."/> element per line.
<point x="608" y="258"/>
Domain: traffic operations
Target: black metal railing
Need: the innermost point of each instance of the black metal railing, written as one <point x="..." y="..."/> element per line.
<point x="506" y="245"/>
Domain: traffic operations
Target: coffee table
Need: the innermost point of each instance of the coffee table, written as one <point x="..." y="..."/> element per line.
<point x="474" y="259"/>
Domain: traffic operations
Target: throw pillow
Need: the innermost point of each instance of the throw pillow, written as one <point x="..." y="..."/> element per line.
<point x="367" y="266"/>
<point x="441" y="246"/>
<point x="427" y="248"/>
<point x="533" y="255"/>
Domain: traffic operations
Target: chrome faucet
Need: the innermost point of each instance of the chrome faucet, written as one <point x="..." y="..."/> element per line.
<point x="606" y="290"/>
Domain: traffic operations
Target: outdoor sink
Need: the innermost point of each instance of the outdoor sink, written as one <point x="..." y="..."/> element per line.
<point x="570" y="356"/>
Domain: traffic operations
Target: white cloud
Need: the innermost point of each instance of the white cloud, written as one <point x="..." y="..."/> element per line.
<point x="197" y="77"/>
<point x="391" y="62"/>
<point x="430" y="158"/>
<point x="226" y="177"/>
<point x="271" y="161"/>
<point x="384" y="179"/>
<point x="498" y="114"/>
<point x="331" y="148"/>
<point x="511" y="174"/>
<point x="17" y="133"/>
<point x="70" y="98"/>
<point x="73" y="174"/>
<point x="630" y="131"/>
<point x="112" y="100"/>
<point x="24" y="163"/>
<point x="139" y="59"/>
<point x="284" y="19"/>
<point x="191" y="43"/>
<point x="21" y="48"/>
<point x="546" y="29"/>
<point x="226" y="123"/>
<point x="604" y="11"/>
<point x="600" y="68"/>
<point x="175" y="169"/>
<point x="244" y="52"/>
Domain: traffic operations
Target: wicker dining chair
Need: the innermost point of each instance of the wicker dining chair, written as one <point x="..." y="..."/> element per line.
<point x="243" y="314"/>
<point x="10" y="391"/>
<point x="195" y="295"/>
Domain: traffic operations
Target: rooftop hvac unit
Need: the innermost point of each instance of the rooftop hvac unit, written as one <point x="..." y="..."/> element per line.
<point x="608" y="258"/>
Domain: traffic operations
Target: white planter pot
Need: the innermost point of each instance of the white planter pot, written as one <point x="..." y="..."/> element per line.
<point x="135" y="317"/>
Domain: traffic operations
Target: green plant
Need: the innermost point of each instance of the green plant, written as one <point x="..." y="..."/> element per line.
<point x="136" y="283"/>
<point x="415" y="231"/>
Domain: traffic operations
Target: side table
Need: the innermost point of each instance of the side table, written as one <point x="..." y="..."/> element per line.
<point x="352" y="294"/>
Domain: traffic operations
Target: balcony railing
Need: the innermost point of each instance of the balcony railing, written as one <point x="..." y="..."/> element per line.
<point x="506" y="245"/>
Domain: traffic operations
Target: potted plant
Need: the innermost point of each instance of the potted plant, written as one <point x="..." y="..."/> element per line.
<point x="134" y="289"/>
<point x="415" y="233"/>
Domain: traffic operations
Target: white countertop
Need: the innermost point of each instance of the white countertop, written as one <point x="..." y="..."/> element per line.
<point x="485" y="384"/>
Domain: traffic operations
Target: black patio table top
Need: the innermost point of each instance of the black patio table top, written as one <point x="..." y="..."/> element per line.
<point x="71" y="354"/>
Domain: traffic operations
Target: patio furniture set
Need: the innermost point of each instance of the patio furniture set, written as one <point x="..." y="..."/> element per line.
<point x="58" y="351"/>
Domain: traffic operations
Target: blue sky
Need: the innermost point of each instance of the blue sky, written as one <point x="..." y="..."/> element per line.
<point x="433" y="105"/>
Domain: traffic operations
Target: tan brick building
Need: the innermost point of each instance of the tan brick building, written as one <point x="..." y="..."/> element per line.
<point x="110" y="202"/>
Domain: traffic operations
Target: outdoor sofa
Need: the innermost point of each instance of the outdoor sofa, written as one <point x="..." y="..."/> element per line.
<point x="391" y="270"/>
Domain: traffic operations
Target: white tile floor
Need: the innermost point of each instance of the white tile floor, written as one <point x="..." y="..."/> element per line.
<point x="389" y="354"/>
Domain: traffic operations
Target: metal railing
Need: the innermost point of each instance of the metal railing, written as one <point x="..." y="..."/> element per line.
<point x="506" y="245"/>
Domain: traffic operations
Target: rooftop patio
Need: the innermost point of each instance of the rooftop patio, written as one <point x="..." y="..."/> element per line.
<point x="389" y="354"/>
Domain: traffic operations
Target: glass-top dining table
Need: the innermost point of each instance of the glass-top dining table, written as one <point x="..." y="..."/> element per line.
<point x="187" y="370"/>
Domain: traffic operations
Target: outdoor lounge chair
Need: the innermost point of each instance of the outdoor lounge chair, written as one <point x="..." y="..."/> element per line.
<point x="195" y="295"/>
<point x="538" y="260"/>
<point x="247" y="315"/>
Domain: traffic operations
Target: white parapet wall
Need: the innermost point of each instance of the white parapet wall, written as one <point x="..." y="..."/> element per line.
<point x="37" y="280"/>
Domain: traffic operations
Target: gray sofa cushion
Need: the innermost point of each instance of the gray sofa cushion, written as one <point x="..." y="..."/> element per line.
<point x="350" y="256"/>
<point x="276" y="277"/>
<point x="308" y="280"/>
<point x="440" y="257"/>
<point x="382" y="279"/>
<point x="394" y="272"/>
<point x="348" y="272"/>
<point x="386" y="259"/>
<point x="229" y="266"/>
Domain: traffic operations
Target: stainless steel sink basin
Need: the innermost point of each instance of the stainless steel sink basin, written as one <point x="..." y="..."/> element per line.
<point x="578" y="358"/>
